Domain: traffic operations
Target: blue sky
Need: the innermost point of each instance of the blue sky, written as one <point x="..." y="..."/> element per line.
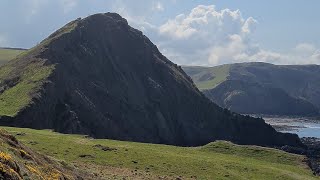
<point x="189" y="32"/>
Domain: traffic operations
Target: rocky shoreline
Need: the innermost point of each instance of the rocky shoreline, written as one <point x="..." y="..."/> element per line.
<point x="311" y="150"/>
<point x="297" y="125"/>
<point x="313" y="153"/>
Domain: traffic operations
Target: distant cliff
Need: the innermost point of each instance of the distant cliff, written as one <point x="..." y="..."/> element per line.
<point x="261" y="88"/>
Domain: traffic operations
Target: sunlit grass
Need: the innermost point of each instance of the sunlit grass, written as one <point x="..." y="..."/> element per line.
<point x="218" y="160"/>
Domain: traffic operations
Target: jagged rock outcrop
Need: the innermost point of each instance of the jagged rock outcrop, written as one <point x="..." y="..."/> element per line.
<point x="101" y="77"/>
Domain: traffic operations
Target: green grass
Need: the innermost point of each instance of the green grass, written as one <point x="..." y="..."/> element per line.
<point x="29" y="74"/>
<point x="218" y="160"/>
<point x="218" y="74"/>
<point x="221" y="73"/>
<point x="8" y="54"/>
<point x="20" y="95"/>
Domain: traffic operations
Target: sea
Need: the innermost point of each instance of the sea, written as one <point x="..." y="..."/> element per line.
<point x="303" y="126"/>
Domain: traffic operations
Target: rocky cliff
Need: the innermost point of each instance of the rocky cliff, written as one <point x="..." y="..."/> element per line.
<point x="261" y="88"/>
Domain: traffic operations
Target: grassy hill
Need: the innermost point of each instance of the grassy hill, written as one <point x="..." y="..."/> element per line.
<point x="120" y="159"/>
<point x="21" y="79"/>
<point x="208" y="77"/>
<point x="6" y="54"/>
<point x="261" y="88"/>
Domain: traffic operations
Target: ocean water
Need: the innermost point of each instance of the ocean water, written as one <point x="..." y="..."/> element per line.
<point x="304" y="127"/>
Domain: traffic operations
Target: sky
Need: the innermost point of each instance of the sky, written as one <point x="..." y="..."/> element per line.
<point x="188" y="32"/>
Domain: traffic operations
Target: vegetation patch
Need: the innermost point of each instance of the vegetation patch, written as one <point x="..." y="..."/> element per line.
<point x="220" y="74"/>
<point x="15" y="98"/>
<point x="208" y="77"/>
<point x="22" y="78"/>
<point x="8" y="54"/>
<point x="19" y="162"/>
<point x="217" y="160"/>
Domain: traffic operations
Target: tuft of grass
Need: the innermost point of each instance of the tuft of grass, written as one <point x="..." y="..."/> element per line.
<point x="217" y="160"/>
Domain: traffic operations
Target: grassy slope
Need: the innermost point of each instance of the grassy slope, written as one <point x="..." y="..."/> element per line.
<point x="220" y="74"/>
<point x="219" y="160"/>
<point x="20" y="95"/>
<point x="19" y="162"/>
<point x="8" y="54"/>
<point x="30" y="72"/>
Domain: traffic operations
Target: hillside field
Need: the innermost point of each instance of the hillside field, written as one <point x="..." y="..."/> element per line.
<point x="119" y="159"/>
<point x="208" y="77"/>
<point x="8" y="54"/>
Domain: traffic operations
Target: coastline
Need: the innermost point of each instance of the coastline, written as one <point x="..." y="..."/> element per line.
<point x="303" y="126"/>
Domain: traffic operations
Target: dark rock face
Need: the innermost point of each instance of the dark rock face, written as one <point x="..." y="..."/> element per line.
<point x="110" y="81"/>
<point x="255" y="98"/>
<point x="313" y="153"/>
<point x="262" y="88"/>
<point x="299" y="82"/>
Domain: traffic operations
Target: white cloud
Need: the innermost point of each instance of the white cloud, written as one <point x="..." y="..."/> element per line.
<point x="138" y="12"/>
<point x="305" y="48"/>
<point x="207" y="36"/>
<point x="204" y="36"/>
<point x="177" y="31"/>
<point x="206" y="21"/>
<point x="249" y="25"/>
<point x="220" y="54"/>
<point x="301" y="54"/>
<point x="307" y="53"/>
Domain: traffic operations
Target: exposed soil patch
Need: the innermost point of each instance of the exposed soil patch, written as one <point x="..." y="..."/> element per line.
<point x="21" y="134"/>
<point x="104" y="148"/>
<point x="108" y="172"/>
<point x="33" y="143"/>
<point x="86" y="156"/>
